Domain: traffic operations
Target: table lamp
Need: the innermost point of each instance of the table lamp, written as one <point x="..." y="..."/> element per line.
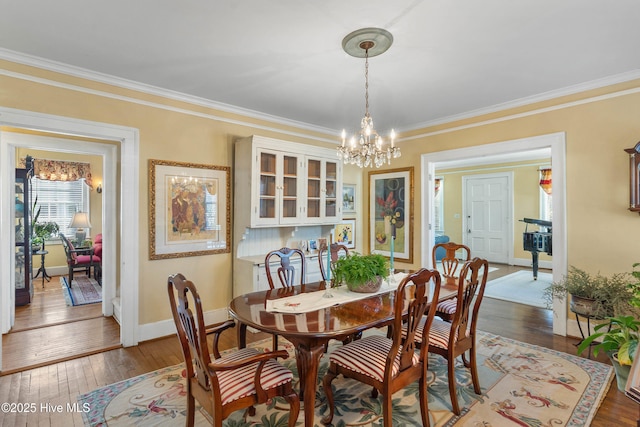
<point x="80" y="221"/>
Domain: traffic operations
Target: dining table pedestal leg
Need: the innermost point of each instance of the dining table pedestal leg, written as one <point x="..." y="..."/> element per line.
<point x="241" y="330"/>
<point x="308" y="360"/>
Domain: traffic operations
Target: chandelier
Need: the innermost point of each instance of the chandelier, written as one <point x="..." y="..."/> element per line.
<point x="367" y="147"/>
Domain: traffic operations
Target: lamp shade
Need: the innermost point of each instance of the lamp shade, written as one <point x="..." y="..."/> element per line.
<point x="80" y="220"/>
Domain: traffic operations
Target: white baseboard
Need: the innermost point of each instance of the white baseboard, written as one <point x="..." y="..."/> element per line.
<point x="163" y="328"/>
<point x="51" y="271"/>
<point x="117" y="310"/>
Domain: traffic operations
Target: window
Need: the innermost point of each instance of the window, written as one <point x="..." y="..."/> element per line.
<point x="59" y="200"/>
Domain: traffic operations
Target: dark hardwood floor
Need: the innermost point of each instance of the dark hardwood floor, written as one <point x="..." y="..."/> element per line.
<point x="61" y="383"/>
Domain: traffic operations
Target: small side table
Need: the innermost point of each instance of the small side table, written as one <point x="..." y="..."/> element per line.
<point x="42" y="269"/>
<point x="588" y="317"/>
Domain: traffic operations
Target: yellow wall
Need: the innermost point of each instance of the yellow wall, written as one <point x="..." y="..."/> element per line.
<point x="526" y="198"/>
<point x="602" y="233"/>
<point x="164" y="134"/>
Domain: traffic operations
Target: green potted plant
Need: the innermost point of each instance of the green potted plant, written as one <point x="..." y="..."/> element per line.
<point x="594" y="296"/>
<point x="361" y="273"/>
<point x="42" y="231"/>
<point x="634" y="286"/>
<point x="619" y="341"/>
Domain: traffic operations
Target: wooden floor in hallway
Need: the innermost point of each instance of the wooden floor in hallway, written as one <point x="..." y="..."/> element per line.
<point x="47" y="330"/>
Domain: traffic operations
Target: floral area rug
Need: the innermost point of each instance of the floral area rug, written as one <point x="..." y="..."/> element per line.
<point x="522" y="385"/>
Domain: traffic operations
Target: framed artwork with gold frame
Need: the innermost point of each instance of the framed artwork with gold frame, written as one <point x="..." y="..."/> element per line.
<point x="391" y="206"/>
<point x="189" y="209"/>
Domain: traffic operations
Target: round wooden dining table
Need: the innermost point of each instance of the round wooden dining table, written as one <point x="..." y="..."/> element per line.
<point x="310" y="331"/>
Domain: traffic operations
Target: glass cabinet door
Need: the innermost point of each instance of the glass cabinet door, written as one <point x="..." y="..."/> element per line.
<point x="289" y="187"/>
<point x="331" y="190"/>
<point x="267" y="191"/>
<point x="22" y="215"/>
<point x="314" y="188"/>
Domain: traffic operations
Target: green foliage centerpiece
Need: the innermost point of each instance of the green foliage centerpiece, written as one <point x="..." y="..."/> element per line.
<point x="361" y="273"/>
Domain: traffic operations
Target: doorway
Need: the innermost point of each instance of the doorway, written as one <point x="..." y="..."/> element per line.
<point x="121" y="158"/>
<point x="555" y="143"/>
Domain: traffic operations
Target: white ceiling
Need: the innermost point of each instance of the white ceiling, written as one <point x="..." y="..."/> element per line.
<point x="284" y="58"/>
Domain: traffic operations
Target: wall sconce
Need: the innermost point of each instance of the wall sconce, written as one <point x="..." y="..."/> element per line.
<point x="99" y="189"/>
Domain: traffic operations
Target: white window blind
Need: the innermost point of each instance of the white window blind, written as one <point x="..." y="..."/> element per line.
<point x="59" y="200"/>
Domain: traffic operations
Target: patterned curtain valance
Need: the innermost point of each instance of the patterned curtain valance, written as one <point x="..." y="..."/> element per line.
<point x="545" y="180"/>
<point x="57" y="170"/>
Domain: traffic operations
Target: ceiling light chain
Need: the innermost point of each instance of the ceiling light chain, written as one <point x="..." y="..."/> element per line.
<point x="369" y="149"/>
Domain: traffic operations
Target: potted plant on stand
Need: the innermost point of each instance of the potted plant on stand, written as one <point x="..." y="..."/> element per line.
<point x="43" y="231"/>
<point x="591" y="296"/>
<point x="361" y="273"/>
<point x="619" y="342"/>
<point x="619" y="334"/>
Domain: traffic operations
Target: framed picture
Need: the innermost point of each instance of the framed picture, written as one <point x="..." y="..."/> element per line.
<point x="189" y="209"/>
<point x="349" y="198"/>
<point x="391" y="211"/>
<point x="322" y="243"/>
<point x="345" y="233"/>
<point x="313" y="245"/>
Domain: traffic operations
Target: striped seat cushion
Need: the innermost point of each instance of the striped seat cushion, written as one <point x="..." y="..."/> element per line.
<point x="438" y="334"/>
<point x="368" y="356"/>
<point x="238" y="383"/>
<point x="448" y="306"/>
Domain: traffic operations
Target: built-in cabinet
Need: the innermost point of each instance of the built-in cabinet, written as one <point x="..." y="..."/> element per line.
<point x="22" y="204"/>
<point x="289" y="183"/>
<point x="284" y="193"/>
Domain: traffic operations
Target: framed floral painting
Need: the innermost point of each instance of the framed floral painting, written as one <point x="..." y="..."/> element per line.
<point x="391" y="212"/>
<point x="345" y="233"/>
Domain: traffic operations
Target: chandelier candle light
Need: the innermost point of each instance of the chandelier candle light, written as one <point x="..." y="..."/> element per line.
<point x="367" y="148"/>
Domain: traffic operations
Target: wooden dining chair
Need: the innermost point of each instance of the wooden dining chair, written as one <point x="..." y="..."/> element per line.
<point x="455" y="338"/>
<point x="450" y="266"/>
<point x="338" y="250"/>
<point x="389" y="364"/>
<point x="286" y="272"/>
<point x="237" y="380"/>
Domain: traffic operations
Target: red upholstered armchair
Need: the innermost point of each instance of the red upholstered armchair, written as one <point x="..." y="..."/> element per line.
<point x="79" y="259"/>
<point x="97" y="246"/>
<point x="97" y="252"/>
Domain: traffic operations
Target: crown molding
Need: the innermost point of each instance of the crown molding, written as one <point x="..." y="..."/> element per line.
<point x="545" y="96"/>
<point x="86" y="74"/>
<point x="95" y="76"/>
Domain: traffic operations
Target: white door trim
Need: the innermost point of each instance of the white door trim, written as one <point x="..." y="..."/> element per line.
<point x="557" y="143"/>
<point x="113" y="221"/>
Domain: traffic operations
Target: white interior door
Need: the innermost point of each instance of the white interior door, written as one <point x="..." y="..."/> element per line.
<point x="488" y="217"/>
